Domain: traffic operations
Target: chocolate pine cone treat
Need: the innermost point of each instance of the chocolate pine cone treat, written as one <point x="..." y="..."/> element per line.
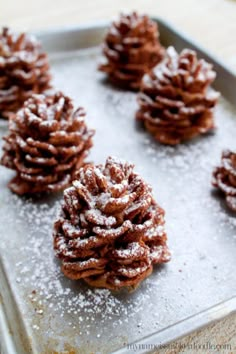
<point x="131" y="48"/>
<point x="110" y="231"/>
<point x="24" y="70"/>
<point x="224" y="178"/>
<point x="47" y="142"/>
<point x="175" y="103"/>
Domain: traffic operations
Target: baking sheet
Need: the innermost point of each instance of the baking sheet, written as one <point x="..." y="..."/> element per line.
<point x="43" y="312"/>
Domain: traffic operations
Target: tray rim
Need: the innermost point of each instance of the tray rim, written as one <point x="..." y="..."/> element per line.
<point x="103" y="24"/>
<point x="189" y="324"/>
<point x="218" y="311"/>
<point x="226" y="72"/>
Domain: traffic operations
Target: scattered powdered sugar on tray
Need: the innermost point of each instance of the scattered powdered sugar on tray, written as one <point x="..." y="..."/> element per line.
<point x="61" y="314"/>
<point x="42" y="285"/>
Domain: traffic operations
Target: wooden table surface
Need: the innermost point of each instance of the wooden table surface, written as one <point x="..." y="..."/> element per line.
<point x="211" y="22"/>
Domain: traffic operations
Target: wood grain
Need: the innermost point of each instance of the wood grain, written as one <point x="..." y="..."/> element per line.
<point x="210" y="22"/>
<point x="221" y="335"/>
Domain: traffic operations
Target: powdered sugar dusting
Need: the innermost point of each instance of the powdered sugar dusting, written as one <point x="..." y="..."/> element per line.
<point x="59" y="312"/>
<point x="43" y="291"/>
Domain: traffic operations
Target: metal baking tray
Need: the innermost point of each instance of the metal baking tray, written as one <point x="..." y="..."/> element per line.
<point x="43" y="312"/>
